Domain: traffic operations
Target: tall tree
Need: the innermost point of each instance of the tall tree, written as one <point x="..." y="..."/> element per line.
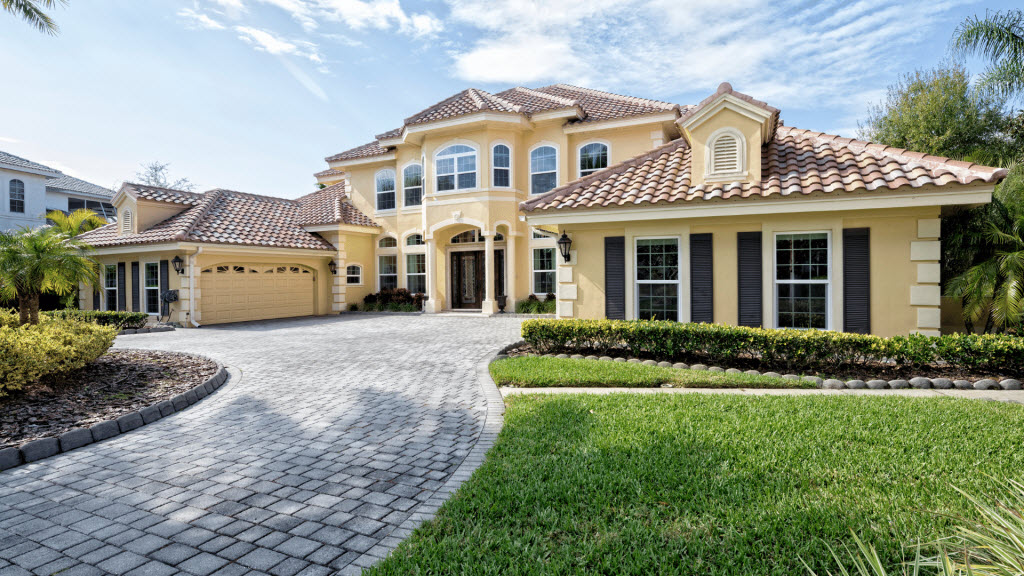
<point x="998" y="37"/>
<point x="156" y="174"/>
<point x="33" y="261"/>
<point x="79" y="221"/>
<point x="32" y="11"/>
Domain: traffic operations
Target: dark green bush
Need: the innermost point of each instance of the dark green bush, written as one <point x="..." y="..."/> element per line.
<point x="119" y="320"/>
<point x="534" y="305"/>
<point x="395" y="300"/>
<point x="811" y="350"/>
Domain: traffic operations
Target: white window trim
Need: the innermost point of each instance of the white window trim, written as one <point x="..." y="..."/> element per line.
<point x="511" y="165"/>
<point x="434" y="173"/>
<point x="103" y="304"/>
<point x="357" y="265"/>
<point x="143" y="288"/>
<point x="829" y="316"/>
<point x="679" y="275"/>
<point x="10" y="198"/>
<point x="376" y="192"/>
<point x="740" y="174"/>
<point x="579" y="155"/>
<point x="414" y="248"/>
<point x="405" y="276"/>
<point x="423" y="188"/>
<point x="398" y="270"/>
<point x="530" y="172"/>
<point x="554" y="261"/>
<point x="387" y="250"/>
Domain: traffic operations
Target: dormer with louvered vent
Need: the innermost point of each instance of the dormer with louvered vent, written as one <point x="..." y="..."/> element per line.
<point x="126" y="221"/>
<point x="726" y="159"/>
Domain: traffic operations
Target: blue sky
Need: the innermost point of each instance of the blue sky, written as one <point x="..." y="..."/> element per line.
<point x="251" y="95"/>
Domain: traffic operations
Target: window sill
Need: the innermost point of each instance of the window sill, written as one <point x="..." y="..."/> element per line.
<point x="727" y="177"/>
<point x="412" y="210"/>
<point x="390" y="212"/>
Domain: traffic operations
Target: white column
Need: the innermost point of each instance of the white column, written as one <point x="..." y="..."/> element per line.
<point x="431" y="306"/>
<point x="489" y="306"/>
<point x="510" y="273"/>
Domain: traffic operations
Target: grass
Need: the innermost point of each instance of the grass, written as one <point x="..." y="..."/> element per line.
<point x="712" y="484"/>
<point x="543" y="372"/>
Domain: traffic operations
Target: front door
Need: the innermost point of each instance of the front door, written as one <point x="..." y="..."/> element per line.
<point x="467" y="279"/>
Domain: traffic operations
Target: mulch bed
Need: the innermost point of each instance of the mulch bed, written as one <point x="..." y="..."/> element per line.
<point x="866" y="372"/>
<point x="119" y="382"/>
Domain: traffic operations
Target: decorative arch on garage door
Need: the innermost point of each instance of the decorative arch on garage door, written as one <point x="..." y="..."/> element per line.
<point x="242" y="292"/>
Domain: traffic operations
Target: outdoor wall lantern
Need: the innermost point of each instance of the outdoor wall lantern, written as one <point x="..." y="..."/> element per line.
<point x="333" y="266"/>
<point x="564" y="243"/>
<point x="179" y="264"/>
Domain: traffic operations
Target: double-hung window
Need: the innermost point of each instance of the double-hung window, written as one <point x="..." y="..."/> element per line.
<point x="387" y="271"/>
<point x="593" y="157"/>
<point x="802" y="280"/>
<point x="543" y="270"/>
<point x="502" y="162"/>
<point x="416" y="273"/>
<point x="456" y="168"/>
<point x="385" y="182"/>
<point x="151" y="285"/>
<point x="543" y="169"/>
<point x="412" y="185"/>
<point x="353" y="275"/>
<point x="110" y="286"/>
<point x="657" y="279"/>
<point x="17" y="196"/>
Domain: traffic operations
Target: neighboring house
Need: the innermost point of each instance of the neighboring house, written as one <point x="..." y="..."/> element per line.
<point x="714" y="212"/>
<point x="28" y="190"/>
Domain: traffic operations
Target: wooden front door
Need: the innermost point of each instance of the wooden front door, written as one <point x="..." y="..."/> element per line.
<point x="467" y="279"/>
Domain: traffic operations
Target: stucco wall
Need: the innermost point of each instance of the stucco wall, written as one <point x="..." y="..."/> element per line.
<point x="35" y="200"/>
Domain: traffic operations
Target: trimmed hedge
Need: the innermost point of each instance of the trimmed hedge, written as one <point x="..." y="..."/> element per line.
<point x="810" y="350"/>
<point x="54" y="346"/>
<point x="119" y="320"/>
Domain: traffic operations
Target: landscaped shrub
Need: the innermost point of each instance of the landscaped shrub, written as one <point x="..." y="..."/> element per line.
<point x="54" y="346"/>
<point x="119" y="320"/>
<point x="777" y="348"/>
<point x="533" y="305"/>
<point x="393" y="300"/>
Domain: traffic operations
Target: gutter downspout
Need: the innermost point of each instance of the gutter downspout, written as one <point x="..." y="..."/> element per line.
<point x="192" y="287"/>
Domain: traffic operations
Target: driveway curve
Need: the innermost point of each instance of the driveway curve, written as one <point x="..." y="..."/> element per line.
<point x="337" y="431"/>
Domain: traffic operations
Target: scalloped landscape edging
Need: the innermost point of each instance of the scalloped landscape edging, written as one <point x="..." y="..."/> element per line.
<point x="41" y="448"/>
<point x="1008" y="384"/>
<point x="146" y="330"/>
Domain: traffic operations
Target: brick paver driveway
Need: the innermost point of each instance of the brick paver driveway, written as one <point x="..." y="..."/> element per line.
<point x="337" y="430"/>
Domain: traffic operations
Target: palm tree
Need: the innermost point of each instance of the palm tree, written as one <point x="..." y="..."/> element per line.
<point x="999" y="37"/>
<point x="30" y="10"/>
<point x="79" y="221"/>
<point x="33" y="261"/>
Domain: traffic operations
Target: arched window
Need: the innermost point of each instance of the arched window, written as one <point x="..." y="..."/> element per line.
<point x="412" y="185"/>
<point x="386" y="189"/>
<point x="543" y="169"/>
<point x="502" y="163"/>
<point x="593" y="157"/>
<point x="465" y="237"/>
<point x="387" y="242"/>
<point x="126" y="221"/>
<point x="725" y="154"/>
<point x="414" y="240"/>
<point x="354" y="275"/>
<point x="17" y="196"/>
<point x="456" y="168"/>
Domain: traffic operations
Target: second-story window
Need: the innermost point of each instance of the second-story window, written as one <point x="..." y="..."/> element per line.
<point x="502" y="163"/>
<point x="412" y="185"/>
<point x="593" y="157"/>
<point x="456" y="168"/>
<point x="543" y="169"/>
<point x="386" y="190"/>
<point x="17" y="196"/>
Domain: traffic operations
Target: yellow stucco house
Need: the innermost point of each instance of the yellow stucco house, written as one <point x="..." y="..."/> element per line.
<point x="715" y="212"/>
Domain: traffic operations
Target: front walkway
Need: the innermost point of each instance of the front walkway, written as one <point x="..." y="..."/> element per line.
<point x="336" y="433"/>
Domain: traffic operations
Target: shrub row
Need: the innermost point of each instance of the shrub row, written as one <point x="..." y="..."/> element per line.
<point x="776" y="349"/>
<point x="394" y="299"/>
<point x="534" y="305"/>
<point x="54" y="346"/>
<point x="119" y="320"/>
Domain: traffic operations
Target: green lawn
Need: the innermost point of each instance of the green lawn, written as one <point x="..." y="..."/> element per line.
<point x="542" y="372"/>
<point x="711" y="484"/>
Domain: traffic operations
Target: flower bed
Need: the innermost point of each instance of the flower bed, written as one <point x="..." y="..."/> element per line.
<point x="824" y="353"/>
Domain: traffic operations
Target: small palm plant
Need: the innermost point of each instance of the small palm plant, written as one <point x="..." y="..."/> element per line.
<point x="33" y="261"/>
<point x="79" y="221"/>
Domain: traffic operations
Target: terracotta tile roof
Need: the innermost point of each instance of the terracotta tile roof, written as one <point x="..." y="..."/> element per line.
<point x="393" y="133"/>
<point x="331" y="205"/>
<point x="329" y="172"/>
<point x="468" y="101"/>
<point x="725" y="88"/>
<point x="599" y="105"/>
<point x="365" y="151"/>
<point x="157" y="194"/>
<point x="794" y="163"/>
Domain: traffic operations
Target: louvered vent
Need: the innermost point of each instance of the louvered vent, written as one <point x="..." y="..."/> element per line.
<point x="725" y="155"/>
<point x="126" y="222"/>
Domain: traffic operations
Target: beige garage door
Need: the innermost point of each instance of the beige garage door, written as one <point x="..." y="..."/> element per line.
<point x="243" y="292"/>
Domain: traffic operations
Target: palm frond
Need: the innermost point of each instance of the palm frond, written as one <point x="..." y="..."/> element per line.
<point x="31" y="12"/>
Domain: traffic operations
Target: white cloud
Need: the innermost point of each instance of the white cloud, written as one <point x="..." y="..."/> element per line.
<point x="359" y="15"/>
<point x="265" y="41"/>
<point x="199" y="20"/>
<point x="8" y="140"/>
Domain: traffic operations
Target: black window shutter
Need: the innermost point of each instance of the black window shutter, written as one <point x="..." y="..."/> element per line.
<point x="95" y="299"/>
<point x="748" y="248"/>
<point x="122" y="295"/>
<point x="164" y="286"/>
<point x="702" y="301"/>
<point x="615" y="277"/>
<point x="857" y="280"/>
<point x="136" y="305"/>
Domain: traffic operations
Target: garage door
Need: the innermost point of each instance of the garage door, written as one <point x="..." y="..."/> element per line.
<point x="243" y="292"/>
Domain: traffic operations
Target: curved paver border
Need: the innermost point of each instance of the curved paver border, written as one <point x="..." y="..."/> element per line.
<point x="42" y="448"/>
<point x="493" y="423"/>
